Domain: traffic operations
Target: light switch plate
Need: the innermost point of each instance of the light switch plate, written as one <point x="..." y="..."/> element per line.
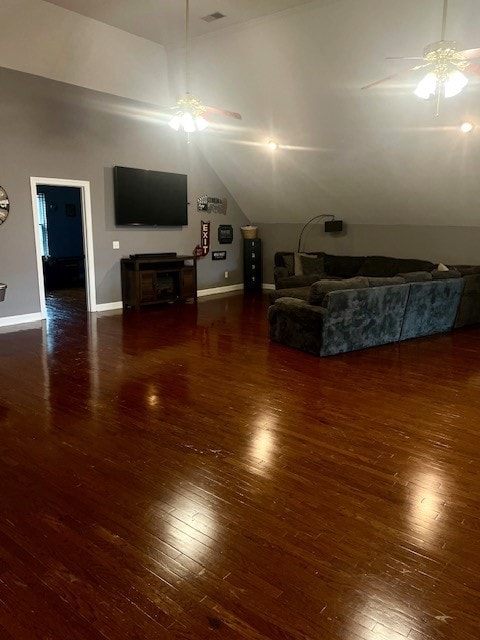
<point x="116" y="244"/>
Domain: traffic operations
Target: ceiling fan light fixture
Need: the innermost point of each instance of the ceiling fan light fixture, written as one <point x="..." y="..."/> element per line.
<point x="445" y="64"/>
<point x="188" y="123"/>
<point x="455" y="82"/>
<point x="175" y="122"/>
<point x="189" y="116"/>
<point x="427" y="86"/>
<point x="200" y="123"/>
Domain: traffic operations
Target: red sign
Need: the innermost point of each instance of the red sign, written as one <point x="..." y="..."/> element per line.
<point x="201" y="250"/>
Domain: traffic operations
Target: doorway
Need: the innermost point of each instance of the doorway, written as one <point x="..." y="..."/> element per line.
<point x="63" y="238"/>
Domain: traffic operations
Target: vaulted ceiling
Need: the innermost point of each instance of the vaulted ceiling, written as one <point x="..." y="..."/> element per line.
<point x="295" y="69"/>
<point x="162" y="21"/>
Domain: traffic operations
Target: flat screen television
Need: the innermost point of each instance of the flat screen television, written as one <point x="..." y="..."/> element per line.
<point x="149" y="198"/>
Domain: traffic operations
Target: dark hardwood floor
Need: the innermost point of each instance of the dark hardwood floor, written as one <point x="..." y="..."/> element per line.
<point x="172" y="474"/>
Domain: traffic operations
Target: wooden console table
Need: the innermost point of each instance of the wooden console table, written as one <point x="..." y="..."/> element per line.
<point x="159" y="278"/>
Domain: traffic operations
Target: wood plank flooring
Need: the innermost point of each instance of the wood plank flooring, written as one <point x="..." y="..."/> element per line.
<point x="172" y="474"/>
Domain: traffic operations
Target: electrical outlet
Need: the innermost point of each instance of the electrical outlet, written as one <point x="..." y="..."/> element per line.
<point x="116" y="244"/>
<point x="226" y="274"/>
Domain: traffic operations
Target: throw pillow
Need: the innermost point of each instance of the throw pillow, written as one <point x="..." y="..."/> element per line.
<point x="298" y="267"/>
<point x="289" y="263"/>
<point x="312" y="264"/>
<point x="382" y="266"/>
<point x="443" y="275"/>
<point x="298" y="262"/>
<point x="442" y="267"/>
<point x="466" y="270"/>
<point x="342" y="266"/>
<point x="319" y="289"/>
<point x="385" y="282"/>
<point x="416" y="276"/>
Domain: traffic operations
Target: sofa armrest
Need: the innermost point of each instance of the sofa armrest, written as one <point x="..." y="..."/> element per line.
<point x="279" y="273"/>
<point x="297" y="323"/>
<point x="469" y="308"/>
<point x="300" y="306"/>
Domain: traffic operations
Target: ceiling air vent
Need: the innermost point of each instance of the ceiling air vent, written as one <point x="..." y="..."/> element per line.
<point x="213" y="16"/>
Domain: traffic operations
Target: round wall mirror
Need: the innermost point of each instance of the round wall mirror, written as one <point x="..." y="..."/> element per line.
<point x="4" y="205"/>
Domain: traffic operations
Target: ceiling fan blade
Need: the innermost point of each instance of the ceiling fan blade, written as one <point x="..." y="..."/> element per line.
<point x="470" y="53"/>
<point x="395" y="75"/>
<point x="473" y="67"/>
<point x="223" y="112"/>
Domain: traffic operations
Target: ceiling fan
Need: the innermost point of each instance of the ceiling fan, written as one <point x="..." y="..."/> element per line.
<point x="190" y="113"/>
<point x="445" y="67"/>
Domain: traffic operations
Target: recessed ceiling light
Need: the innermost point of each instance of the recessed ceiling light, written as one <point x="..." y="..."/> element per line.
<point x="466" y="127"/>
<point x="272" y="145"/>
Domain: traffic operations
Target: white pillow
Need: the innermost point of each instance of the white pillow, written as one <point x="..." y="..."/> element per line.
<point x="297" y="265"/>
<point x="442" y="267"/>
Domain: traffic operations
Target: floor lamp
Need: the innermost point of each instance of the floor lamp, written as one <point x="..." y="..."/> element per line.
<point x="314" y="219"/>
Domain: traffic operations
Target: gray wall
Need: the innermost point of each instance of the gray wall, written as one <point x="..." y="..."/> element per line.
<point x="451" y="245"/>
<point x="54" y="130"/>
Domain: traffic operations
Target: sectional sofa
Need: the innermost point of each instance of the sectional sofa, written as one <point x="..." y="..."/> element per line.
<point x="298" y="271"/>
<point x="343" y="303"/>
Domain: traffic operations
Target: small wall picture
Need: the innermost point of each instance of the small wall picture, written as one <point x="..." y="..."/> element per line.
<point x="225" y="234"/>
<point x="219" y="255"/>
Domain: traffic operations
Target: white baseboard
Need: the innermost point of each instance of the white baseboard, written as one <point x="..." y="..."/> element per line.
<point x="9" y="321"/>
<point x="109" y="306"/>
<point x="232" y="287"/>
<point x="214" y="290"/>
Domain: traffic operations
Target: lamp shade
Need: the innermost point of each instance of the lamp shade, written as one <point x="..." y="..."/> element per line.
<point x="427" y="86"/>
<point x="452" y="84"/>
<point x="455" y="82"/>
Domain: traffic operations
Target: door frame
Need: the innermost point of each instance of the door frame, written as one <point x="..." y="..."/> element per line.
<point x="87" y="228"/>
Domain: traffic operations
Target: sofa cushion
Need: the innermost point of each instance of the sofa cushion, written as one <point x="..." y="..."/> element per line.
<point x="416" y="276"/>
<point x="306" y="263"/>
<point x="285" y="259"/>
<point x="279" y="257"/>
<point x="297" y="281"/>
<point x="438" y="274"/>
<point x="465" y="269"/>
<point x="383" y="282"/>
<point x="301" y="293"/>
<point x="319" y="289"/>
<point x="363" y="318"/>
<point x="342" y="266"/>
<point x="375" y="266"/>
<point x="289" y="263"/>
<point x="312" y="264"/>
